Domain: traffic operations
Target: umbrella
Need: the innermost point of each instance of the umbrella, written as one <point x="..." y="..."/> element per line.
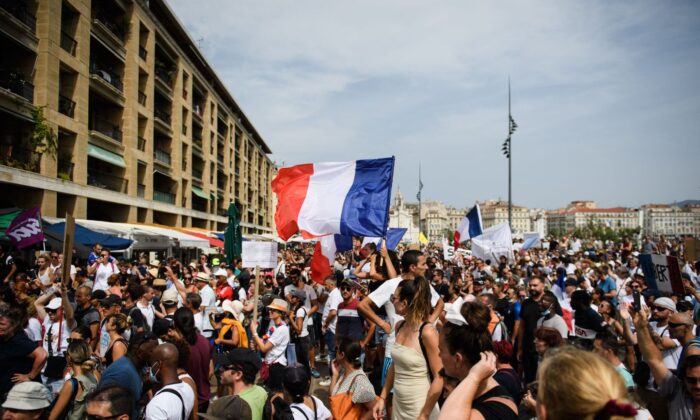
<point x="232" y="234"/>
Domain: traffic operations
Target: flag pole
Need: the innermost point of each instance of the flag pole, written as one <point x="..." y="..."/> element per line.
<point x="419" y="196"/>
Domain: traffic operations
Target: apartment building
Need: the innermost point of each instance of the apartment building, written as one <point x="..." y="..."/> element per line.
<point x="664" y="219"/>
<point x="494" y="212"/>
<point x="580" y="214"/>
<point x="145" y="131"/>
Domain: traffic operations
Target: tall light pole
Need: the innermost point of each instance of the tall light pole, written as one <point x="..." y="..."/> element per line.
<point x="507" y="150"/>
<point x="419" y="197"/>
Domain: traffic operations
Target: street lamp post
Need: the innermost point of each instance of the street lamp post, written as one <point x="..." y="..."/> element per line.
<point x="507" y="150"/>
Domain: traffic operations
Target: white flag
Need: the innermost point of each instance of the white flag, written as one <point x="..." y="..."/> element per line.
<point x="493" y="243"/>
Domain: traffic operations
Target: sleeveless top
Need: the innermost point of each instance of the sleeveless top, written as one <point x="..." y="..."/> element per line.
<point x="495" y="410"/>
<point x="108" y="354"/>
<point x="88" y="383"/>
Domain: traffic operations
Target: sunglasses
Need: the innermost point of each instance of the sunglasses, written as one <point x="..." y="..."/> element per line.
<point x="657" y="308"/>
<point x="94" y="417"/>
<point x="51" y="311"/>
<point x="674" y="325"/>
<point x="344" y="288"/>
<point x="692" y="380"/>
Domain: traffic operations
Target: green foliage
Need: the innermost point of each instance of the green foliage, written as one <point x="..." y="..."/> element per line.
<point x="44" y="140"/>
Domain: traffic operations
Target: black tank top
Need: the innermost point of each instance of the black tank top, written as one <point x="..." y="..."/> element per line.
<point x="495" y="410"/>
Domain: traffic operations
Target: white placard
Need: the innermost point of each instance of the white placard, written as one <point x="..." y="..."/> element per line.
<point x="260" y="254"/>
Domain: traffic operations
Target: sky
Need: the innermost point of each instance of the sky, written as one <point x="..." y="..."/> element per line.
<point x="606" y="95"/>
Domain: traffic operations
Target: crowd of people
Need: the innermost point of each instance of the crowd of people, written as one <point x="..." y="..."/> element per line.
<point x="567" y="331"/>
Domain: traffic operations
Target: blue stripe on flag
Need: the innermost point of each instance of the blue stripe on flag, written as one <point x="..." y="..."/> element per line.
<point x="475" y="228"/>
<point x="393" y="237"/>
<point x="342" y="243"/>
<point x="366" y="206"/>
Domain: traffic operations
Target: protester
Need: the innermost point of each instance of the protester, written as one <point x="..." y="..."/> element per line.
<point x="116" y="326"/>
<point x="111" y="402"/>
<point x="238" y="369"/>
<point x="296" y="384"/>
<point x="175" y="399"/>
<point x="352" y="395"/>
<point x="273" y="344"/>
<point x="199" y="364"/>
<point x="58" y="323"/>
<point x="466" y="354"/>
<point x="27" y="400"/>
<point x="70" y="403"/>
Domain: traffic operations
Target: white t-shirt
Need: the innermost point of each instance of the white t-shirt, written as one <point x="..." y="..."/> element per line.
<point x="310" y="295"/>
<point x="334" y="299"/>
<point x="279" y="340"/>
<point x="167" y="406"/>
<point x="54" y="329"/>
<point x="301" y="313"/>
<point x="102" y="274"/>
<point x="198" y="319"/>
<point x="208" y="304"/>
<point x="33" y="329"/>
<point x="149" y="313"/>
<point x="670" y="356"/>
<point x="322" y="413"/>
<point x="382" y="297"/>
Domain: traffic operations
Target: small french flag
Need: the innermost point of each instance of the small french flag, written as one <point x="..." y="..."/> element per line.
<point x="469" y="227"/>
<point x="347" y="198"/>
<point x="324" y="255"/>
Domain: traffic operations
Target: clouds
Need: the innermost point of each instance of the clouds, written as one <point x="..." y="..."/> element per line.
<point x="601" y="91"/>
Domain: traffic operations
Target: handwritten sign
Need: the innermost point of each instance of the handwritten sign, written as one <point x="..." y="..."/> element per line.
<point x="259" y="254"/>
<point x="661" y="272"/>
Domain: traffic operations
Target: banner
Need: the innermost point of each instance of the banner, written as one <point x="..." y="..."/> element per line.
<point x="661" y="272"/>
<point x="531" y="240"/>
<point x="493" y="243"/>
<point x="25" y="229"/>
<point x="259" y="254"/>
<point x="448" y="251"/>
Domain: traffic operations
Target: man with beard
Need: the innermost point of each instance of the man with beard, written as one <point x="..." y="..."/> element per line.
<point x="670" y="348"/>
<point x="529" y="315"/>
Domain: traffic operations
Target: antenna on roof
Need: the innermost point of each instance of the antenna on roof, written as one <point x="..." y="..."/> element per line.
<point x="199" y="43"/>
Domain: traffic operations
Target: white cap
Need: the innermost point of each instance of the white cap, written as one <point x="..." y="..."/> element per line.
<point x="55" y="303"/>
<point x="220" y="272"/>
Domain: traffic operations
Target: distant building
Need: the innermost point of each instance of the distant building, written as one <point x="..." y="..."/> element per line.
<point x="494" y="212"/>
<point x="664" y="219"/>
<point x="580" y="214"/>
<point x="401" y="216"/>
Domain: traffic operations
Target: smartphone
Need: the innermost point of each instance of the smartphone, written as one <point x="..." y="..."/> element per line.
<point x="637" y="301"/>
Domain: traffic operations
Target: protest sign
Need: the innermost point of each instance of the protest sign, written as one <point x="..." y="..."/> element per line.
<point x="661" y="272"/>
<point x="259" y="254"/>
<point x="68" y="237"/>
<point x="25" y="229"/>
<point x="692" y="249"/>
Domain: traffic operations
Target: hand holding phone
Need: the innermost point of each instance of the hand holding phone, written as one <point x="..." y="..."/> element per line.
<point x="637" y="301"/>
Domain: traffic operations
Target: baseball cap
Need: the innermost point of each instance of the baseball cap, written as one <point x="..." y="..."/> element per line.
<point x="55" y="303"/>
<point x="161" y="326"/>
<point x="246" y="360"/>
<point x="299" y="294"/>
<point x="231" y="407"/>
<point x="98" y="294"/>
<point x="220" y="272"/>
<point x="110" y="300"/>
<point x="28" y="396"/>
<point x="169" y="296"/>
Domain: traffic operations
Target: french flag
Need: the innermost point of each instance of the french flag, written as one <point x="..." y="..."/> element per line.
<point x="347" y="198"/>
<point x="469" y="227"/>
<point x="324" y="255"/>
<point x="393" y="238"/>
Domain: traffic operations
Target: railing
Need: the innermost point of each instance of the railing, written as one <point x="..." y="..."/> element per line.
<point x="220" y="159"/>
<point x="106" y="128"/>
<point x="68" y="43"/>
<point x="142" y="144"/>
<point x="162" y="115"/>
<point x="106" y="180"/>
<point x="142" y="52"/>
<point x="161" y="156"/>
<point x="142" y="98"/>
<point x="198" y="111"/>
<point x="16" y="83"/>
<point x="19" y="10"/>
<point x="196" y="173"/>
<point x="106" y="75"/>
<point x="164" y="197"/>
<point x="118" y="30"/>
<point x="141" y="191"/>
<point x="66" y="106"/>
<point x="164" y="75"/>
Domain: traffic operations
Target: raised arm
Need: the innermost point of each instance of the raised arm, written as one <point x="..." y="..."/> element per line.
<point x="458" y="405"/>
<point x="650" y="352"/>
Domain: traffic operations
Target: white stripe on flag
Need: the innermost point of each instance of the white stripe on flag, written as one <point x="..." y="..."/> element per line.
<point x="323" y="207"/>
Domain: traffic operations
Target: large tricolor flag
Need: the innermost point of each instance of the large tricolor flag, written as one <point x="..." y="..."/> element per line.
<point x="347" y="198"/>
<point x="324" y="255"/>
<point x="393" y="238"/>
<point x="469" y="227"/>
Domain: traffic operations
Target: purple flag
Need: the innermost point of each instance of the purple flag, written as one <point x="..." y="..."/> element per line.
<point x="25" y="229"/>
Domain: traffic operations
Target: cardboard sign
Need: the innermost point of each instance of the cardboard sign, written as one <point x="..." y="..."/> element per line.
<point x="692" y="249"/>
<point x="68" y="238"/>
<point x="661" y="272"/>
<point x="259" y="254"/>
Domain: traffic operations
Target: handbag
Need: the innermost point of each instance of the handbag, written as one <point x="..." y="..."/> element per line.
<point x="342" y="407"/>
<point x="265" y="371"/>
<point x="55" y="365"/>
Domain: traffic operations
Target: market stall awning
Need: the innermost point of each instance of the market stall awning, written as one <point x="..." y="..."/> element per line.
<point x="143" y="240"/>
<point x="88" y="237"/>
<point x="184" y="240"/>
<point x="215" y="242"/>
<point x="199" y="193"/>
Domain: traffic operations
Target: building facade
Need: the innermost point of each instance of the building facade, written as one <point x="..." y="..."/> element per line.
<point x="580" y="214"/>
<point x="401" y="216"/>
<point x="664" y="219"/>
<point x="494" y="212"/>
<point x="145" y="131"/>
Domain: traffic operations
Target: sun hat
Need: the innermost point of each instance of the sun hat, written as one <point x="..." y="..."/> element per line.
<point x="154" y="263"/>
<point x="159" y="283"/>
<point x="234" y="307"/>
<point x="279" y="305"/>
<point x="169" y="296"/>
<point x="55" y="303"/>
<point x="28" y="396"/>
<point x="202" y="276"/>
<point x="153" y="272"/>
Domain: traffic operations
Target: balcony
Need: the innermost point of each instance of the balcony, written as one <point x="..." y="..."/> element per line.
<point x="107" y="84"/>
<point x="106" y="128"/>
<point x="16" y="83"/>
<point x="196" y="173"/>
<point x="164" y="197"/>
<point x="106" y="180"/>
<point x="66" y="106"/>
<point x="162" y="121"/>
<point x="101" y="72"/>
<point x="141" y="191"/>
<point x="164" y="77"/>
<point x="161" y="156"/>
<point x="220" y="159"/>
<point x="68" y="43"/>
<point x="18" y="9"/>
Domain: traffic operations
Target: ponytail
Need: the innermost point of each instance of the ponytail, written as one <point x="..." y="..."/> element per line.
<point x="417" y="293"/>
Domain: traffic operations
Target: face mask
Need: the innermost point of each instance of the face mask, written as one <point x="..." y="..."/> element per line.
<point x="152" y="376"/>
<point x="546" y="312"/>
<point x="236" y="284"/>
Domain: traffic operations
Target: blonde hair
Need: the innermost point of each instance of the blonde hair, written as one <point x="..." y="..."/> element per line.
<point x="121" y="322"/>
<point x="578" y="384"/>
<point x="79" y="354"/>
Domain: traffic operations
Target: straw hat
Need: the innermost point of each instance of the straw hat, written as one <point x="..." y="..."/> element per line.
<point x="202" y="276"/>
<point x="279" y="305"/>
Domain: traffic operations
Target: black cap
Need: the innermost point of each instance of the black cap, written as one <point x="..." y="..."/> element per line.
<point x="110" y="301"/>
<point x="479" y="281"/>
<point x="161" y="326"/>
<point x="570" y="282"/>
<point x="246" y="360"/>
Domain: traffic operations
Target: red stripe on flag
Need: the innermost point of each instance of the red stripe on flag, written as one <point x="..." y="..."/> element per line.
<point x="320" y="265"/>
<point x="456" y="239"/>
<point x="290" y="185"/>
